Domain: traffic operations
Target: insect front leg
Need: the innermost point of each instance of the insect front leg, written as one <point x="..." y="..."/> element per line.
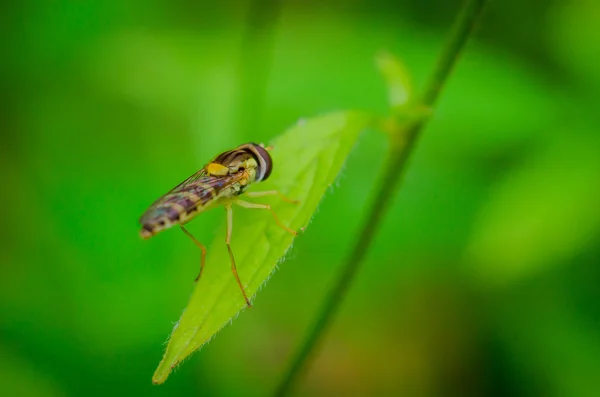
<point x="228" y="242"/>
<point x="202" y="248"/>
<point x="246" y="204"/>
<point x="271" y="193"/>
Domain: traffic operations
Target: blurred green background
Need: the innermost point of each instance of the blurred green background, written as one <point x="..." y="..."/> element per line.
<point x="483" y="280"/>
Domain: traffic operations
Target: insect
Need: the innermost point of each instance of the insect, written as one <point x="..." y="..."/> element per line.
<point x="220" y="182"/>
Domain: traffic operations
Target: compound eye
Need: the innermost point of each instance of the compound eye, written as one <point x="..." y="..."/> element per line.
<point x="265" y="161"/>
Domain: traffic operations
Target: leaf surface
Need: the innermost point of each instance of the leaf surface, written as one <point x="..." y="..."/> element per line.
<point x="307" y="159"/>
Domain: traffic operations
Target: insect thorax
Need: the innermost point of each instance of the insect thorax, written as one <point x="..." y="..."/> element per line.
<point x="250" y="158"/>
<point x="235" y="162"/>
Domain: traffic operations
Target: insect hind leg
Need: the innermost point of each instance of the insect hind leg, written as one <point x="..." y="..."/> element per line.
<point x="202" y="248"/>
<point x="228" y="242"/>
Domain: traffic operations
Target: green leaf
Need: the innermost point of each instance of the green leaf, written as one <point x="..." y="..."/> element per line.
<point x="307" y="159"/>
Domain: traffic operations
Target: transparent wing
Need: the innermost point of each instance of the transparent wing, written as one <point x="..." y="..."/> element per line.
<point x="190" y="195"/>
<point x="195" y="177"/>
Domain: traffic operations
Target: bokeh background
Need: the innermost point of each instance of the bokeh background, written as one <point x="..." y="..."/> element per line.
<point x="483" y="280"/>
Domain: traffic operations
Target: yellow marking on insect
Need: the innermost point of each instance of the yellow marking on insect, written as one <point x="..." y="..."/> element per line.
<point x="217" y="169"/>
<point x="178" y="207"/>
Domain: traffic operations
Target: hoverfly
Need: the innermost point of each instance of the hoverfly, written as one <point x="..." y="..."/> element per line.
<point x="220" y="182"/>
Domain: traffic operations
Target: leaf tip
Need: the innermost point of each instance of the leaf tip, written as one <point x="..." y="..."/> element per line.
<point x="163" y="371"/>
<point x="159" y="379"/>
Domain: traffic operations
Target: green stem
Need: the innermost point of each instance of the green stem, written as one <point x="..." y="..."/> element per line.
<point x="403" y="143"/>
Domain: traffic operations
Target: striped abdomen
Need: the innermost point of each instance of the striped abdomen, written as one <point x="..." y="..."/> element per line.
<point x="184" y="202"/>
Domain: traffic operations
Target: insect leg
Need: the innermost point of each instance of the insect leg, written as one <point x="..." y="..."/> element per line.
<point x="202" y="248"/>
<point x="246" y="204"/>
<point x="228" y="242"/>
<point x="270" y="193"/>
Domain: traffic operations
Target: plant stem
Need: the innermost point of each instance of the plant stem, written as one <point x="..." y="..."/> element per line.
<point x="402" y="145"/>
